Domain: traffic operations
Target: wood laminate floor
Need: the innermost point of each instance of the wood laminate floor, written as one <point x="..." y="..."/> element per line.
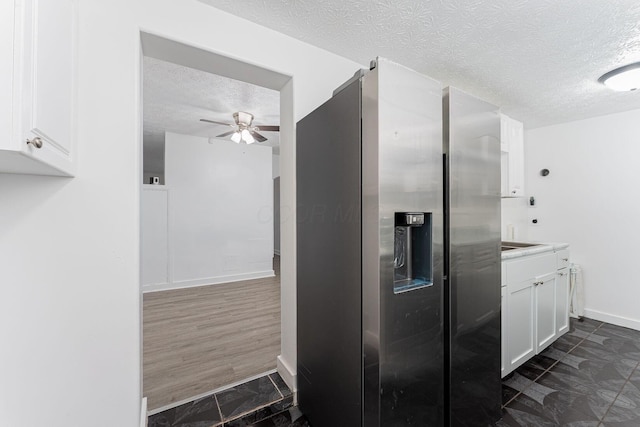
<point x="200" y="339"/>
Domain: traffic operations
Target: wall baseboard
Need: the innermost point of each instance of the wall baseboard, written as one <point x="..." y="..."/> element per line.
<point x="143" y="413"/>
<point x="289" y="375"/>
<point x="613" y="319"/>
<point x="207" y="281"/>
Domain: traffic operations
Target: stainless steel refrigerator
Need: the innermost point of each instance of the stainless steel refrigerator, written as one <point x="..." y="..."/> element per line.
<point x="398" y="255"/>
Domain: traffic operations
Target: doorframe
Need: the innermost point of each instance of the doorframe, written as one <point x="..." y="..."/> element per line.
<point x="203" y="59"/>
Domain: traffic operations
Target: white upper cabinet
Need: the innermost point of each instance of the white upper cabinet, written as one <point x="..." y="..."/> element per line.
<point x="6" y="70"/>
<point x="512" y="157"/>
<point x="37" y="84"/>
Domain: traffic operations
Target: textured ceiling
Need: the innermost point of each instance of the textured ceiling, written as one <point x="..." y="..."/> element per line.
<point x="175" y="98"/>
<point x="537" y="59"/>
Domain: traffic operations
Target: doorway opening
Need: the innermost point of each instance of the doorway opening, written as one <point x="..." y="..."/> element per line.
<point x="211" y="243"/>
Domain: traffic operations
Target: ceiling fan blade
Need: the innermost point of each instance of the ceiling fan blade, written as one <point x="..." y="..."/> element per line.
<point x="266" y="128"/>
<point x="222" y="135"/>
<point x="216" y="123"/>
<point x="257" y="136"/>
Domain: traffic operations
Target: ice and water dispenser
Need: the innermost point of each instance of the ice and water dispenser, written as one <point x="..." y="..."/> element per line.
<point x="412" y="251"/>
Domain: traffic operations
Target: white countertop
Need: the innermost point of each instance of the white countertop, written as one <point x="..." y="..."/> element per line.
<point x="539" y="248"/>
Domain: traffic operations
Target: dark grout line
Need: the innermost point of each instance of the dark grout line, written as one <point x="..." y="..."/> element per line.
<point x="618" y="395"/>
<point x="552" y="365"/>
<point x="219" y="410"/>
<point x="510" y="400"/>
<point x="540" y="376"/>
<point x="244" y="414"/>
<point x="224" y="421"/>
<point x="601" y="423"/>
<point x="276" y="386"/>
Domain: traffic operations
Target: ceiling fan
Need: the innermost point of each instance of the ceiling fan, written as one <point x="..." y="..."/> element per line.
<point x="242" y="129"/>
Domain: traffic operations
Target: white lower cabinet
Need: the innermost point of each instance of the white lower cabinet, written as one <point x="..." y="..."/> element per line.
<point x="545" y="311"/>
<point x="520" y="336"/>
<point x="503" y="295"/>
<point x="562" y="291"/>
<point x="562" y="301"/>
<point x="535" y="311"/>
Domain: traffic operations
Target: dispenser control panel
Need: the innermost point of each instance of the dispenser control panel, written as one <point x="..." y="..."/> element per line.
<point x="408" y="219"/>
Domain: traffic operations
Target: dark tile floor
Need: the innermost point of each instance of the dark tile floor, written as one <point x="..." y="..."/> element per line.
<point x="260" y="402"/>
<point x="590" y="377"/>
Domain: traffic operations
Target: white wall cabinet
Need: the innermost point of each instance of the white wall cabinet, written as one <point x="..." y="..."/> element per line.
<point x="37" y="84"/>
<point x="512" y="157"/>
<point x="535" y="309"/>
<point x="6" y="69"/>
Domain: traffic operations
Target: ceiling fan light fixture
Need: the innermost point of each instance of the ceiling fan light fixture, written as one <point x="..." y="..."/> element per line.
<point x="247" y="137"/>
<point x="242" y="131"/>
<point x="622" y="79"/>
<point x="242" y="117"/>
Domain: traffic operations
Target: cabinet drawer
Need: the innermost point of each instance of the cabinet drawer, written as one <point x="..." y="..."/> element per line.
<point x="562" y="258"/>
<point x="530" y="267"/>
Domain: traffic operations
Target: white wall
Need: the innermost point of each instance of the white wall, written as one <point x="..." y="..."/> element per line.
<point x="221" y="210"/>
<point x="276" y="201"/>
<point x="276" y="215"/>
<point x="275" y="165"/>
<point x="514" y="216"/>
<point x="154" y="235"/>
<point x="589" y="200"/>
<point x="70" y="304"/>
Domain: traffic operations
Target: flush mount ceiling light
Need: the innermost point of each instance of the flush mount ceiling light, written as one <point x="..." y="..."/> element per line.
<point x="623" y="79"/>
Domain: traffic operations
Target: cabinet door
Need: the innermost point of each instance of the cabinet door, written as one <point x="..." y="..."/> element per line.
<point x="48" y="69"/>
<point x="512" y="157"/>
<point x="562" y="301"/>
<point x="516" y="159"/>
<point x="503" y="336"/>
<point x="521" y="323"/>
<point x="504" y="157"/>
<point x="504" y="174"/>
<point x="6" y="72"/>
<point x="562" y="259"/>
<point x="545" y="290"/>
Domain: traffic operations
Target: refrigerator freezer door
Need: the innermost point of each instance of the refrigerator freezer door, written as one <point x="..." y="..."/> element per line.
<point x="401" y="172"/>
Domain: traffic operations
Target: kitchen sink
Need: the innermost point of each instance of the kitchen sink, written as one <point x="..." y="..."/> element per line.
<point x="519" y="244"/>
<point x="508" y="246"/>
